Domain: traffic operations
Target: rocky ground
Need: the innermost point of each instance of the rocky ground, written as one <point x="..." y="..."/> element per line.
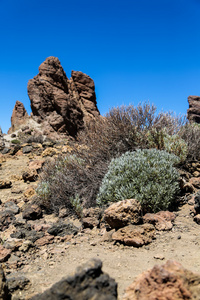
<point x="37" y="253"/>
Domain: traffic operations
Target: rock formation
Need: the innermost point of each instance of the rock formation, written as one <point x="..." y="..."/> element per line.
<point x="193" y="113"/>
<point x="61" y="104"/>
<point x="19" y="117"/>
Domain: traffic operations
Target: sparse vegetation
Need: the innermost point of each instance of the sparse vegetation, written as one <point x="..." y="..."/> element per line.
<point x="124" y="129"/>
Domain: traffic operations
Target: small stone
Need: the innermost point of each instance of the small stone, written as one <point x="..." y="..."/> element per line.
<point x="159" y="256"/>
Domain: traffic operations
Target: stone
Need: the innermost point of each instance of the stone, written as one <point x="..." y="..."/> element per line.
<point x="7" y="217"/>
<point x="123" y="213"/>
<point x="5" y="184"/>
<point x="29" y="175"/>
<point x="135" y="235"/>
<point x="45" y="240"/>
<point x="13" y="244"/>
<point x="32" y="212"/>
<point x="36" y="164"/>
<point x="49" y="152"/>
<point x="17" y="283"/>
<point x="91" y="217"/>
<point x="62" y="229"/>
<point x="4" y="254"/>
<point x="4" y="292"/>
<point x="19" y="117"/>
<point x="167" y="282"/>
<point x="88" y="283"/>
<point x="59" y="104"/>
<point x="162" y="220"/>
<point x="195" y="181"/>
<point x="11" y="206"/>
<point x="197" y="219"/>
<point x="29" y="193"/>
<point x="27" y="149"/>
<point x="193" y="113"/>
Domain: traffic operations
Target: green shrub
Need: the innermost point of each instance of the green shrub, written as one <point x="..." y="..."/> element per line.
<point x="147" y="175"/>
<point x="15" y="141"/>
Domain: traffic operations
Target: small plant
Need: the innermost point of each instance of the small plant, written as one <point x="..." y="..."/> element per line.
<point x="147" y="175"/>
<point x="15" y="141"/>
<point x="77" y="206"/>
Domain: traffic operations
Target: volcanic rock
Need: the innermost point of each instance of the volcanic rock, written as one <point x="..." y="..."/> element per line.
<point x="19" y="117"/>
<point x="162" y="220"/>
<point x="60" y="104"/>
<point x="167" y="282"/>
<point x="89" y="282"/>
<point x="123" y="213"/>
<point x="193" y="113"/>
<point x="135" y="235"/>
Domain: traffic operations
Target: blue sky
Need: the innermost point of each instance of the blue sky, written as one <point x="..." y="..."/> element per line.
<point x="134" y="50"/>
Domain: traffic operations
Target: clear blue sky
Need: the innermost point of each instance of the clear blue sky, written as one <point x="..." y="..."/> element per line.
<point x="135" y="50"/>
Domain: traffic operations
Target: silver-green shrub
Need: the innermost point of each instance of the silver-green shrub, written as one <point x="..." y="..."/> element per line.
<point x="148" y="175"/>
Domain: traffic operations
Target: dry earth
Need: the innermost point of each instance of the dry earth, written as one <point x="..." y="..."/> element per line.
<point x="48" y="264"/>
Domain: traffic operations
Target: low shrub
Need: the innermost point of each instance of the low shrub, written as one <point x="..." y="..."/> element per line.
<point x="15" y="142"/>
<point x="128" y="128"/>
<point x="190" y="133"/>
<point x="147" y="175"/>
<point x="70" y="181"/>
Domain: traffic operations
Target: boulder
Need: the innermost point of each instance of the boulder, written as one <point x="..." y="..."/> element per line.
<point x="193" y="113"/>
<point x="5" y="184"/>
<point x="123" y="213"/>
<point x="135" y="235"/>
<point x="62" y="229"/>
<point x="88" y="283"/>
<point x="32" y="212"/>
<point x="167" y="282"/>
<point x="60" y="104"/>
<point x="19" y="117"/>
<point x="91" y="217"/>
<point x="7" y="217"/>
<point x="162" y="220"/>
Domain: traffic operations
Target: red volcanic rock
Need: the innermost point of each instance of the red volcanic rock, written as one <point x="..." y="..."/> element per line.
<point x="60" y="104"/>
<point x="167" y="282"/>
<point x="193" y="113"/>
<point x="135" y="235"/>
<point x="123" y="213"/>
<point x="19" y="117"/>
<point x="162" y="220"/>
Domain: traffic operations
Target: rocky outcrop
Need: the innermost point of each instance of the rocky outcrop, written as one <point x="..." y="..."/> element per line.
<point x="168" y="282"/>
<point x="19" y="117"/>
<point x="193" y="113"/>
<point x="61" y="104"/>
<point x="89" y="282"/>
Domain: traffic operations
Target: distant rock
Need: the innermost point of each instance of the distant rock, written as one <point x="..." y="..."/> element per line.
<point x="89" y="282"/>
<point x="19" y="117"/>
<point x="62" y="105"/>
<point x="168" y="282"/>
<point x="193" y="113"/>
